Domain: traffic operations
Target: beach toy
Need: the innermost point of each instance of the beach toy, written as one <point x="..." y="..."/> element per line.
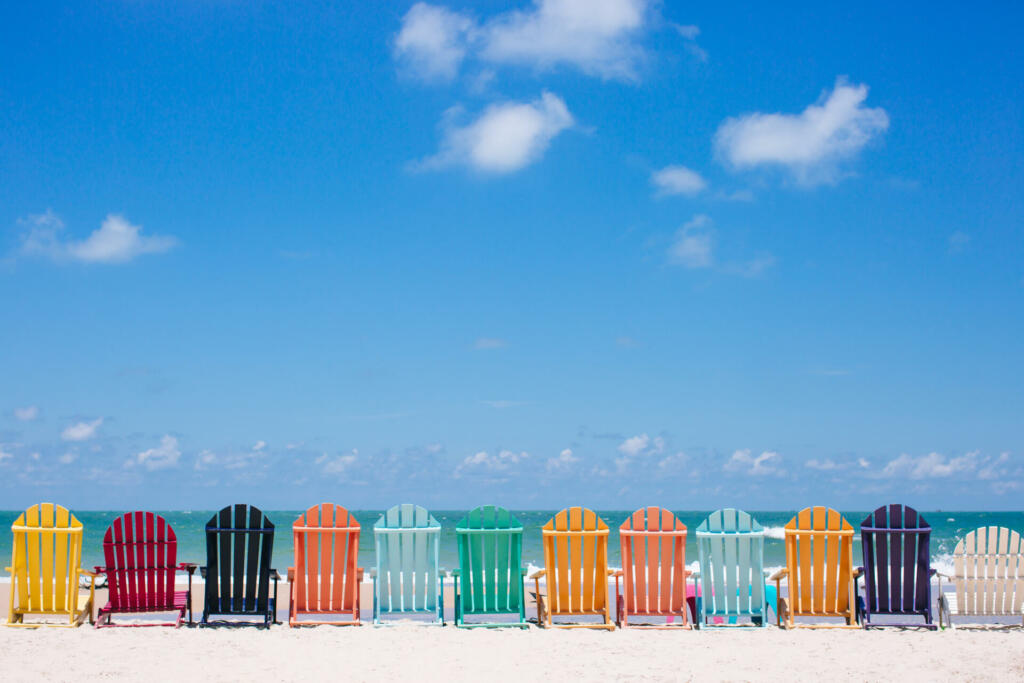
<point x="325" y="579"/>
<point x="819" y="569"/>
<point x="730" y="544"/>
<point x="575" y="569"/>
<point x="239" y="548"/>
<point x="988" y="576"/>
<point x="653" y="547"/>
<point x="489" y="579"/>
<point x="44" y="568"/>
<point x="408" y="578"/>
<point x="141" y="550"/>
<point x="897" y="565"/>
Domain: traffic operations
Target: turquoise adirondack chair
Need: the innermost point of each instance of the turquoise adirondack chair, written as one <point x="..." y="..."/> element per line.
<point x="730" y="545"/>
<point x="490" y="576"/>
<point x="407" y="578"/>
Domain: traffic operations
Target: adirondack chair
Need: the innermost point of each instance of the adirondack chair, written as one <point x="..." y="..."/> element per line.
<point x="239" y="547"/>
<point x="653" y="546"/>
<point x="897" y="565"/>
<point x="44" y="568"/>
<point x="819" y="567"/>
<point x="140" y="551"/>
<point x="988" y="576"/>
<point x="730" y="545"/>
<point x="575" y="569"/>
<point x="325" y="579"/>
<point x="490" y="576"/>
<point x="408" y="578"/>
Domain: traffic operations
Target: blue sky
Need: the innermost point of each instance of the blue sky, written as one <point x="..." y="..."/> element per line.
<point x="543" y="253"/>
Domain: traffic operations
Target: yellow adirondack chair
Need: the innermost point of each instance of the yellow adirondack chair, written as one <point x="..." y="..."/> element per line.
<point x="576" y="569"/>
<point x="819" y="568"/>
<point x="44" y="568"/>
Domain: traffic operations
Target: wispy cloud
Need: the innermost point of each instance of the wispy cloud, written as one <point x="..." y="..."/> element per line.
<point x="811" y="145"/>
<point x="26" y="414"/>
<point x="563" y="461"/>
<point x="744" y="462"/>
<point x="82" y="431"/>
<point x="690" y="33"/>
<point x="692" y="246"/>
<point x="677" y="180"/>
<point x="160" y="457"/>
<point x="115" y="241"/>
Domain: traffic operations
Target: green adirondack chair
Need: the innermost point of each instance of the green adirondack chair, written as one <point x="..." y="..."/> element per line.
<point x="407" y="578"/>
<point x="730" y="545"/>
<point x="489" y="579"/>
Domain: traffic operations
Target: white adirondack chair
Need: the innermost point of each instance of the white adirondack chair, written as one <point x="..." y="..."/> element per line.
<point x="988" y="574"/>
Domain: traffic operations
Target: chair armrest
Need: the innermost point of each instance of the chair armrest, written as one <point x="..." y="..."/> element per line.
<point x="202" y="572"/>
<point x="88" y="573"/>
<point x="456" y="573"/>
<point x="857" y="572"/>
<point x="696" y="574"/>
<point x="931" y="572"/>
<point x="291" y="573"/>
<point x="373" y="573"/>
<point x="943" y="575"/>
<point x="275" y="575"/>
<point x="539" y="573"/>
<point x="779" y="575"/>
<point x="611" y="572"/>
<point x="522" y="571"/>
<point x="359" y="573"/>
<point x="616" y="573"/>
<point x="99" y="570"/>
<point x="189" y="567"/>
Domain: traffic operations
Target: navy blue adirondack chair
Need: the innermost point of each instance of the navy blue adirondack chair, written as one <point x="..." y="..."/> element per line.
<point x="897" y="565"/>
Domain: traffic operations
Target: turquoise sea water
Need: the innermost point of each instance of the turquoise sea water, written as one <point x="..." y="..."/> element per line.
<point x="947" y="527"/>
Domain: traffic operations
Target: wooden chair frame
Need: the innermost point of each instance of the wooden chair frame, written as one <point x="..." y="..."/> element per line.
<point x="732" y="539"/>
<point x="988" y="577"/>
<point x="395" y="590"/>
<point x="325" y="579"/>
<point x="490" y="576"/>
<point x="653" y="548"/>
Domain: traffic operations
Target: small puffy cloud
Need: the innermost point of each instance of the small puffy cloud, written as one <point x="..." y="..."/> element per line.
<point x="161" y="457"/>
<point x="673" y="180"/>
<point x="432" y="41"/>
<point x="115" y="241"/>
<point x="506" y="137"/>
<point x="642" y="444"/>
<point x="4" y="453"/>
<point x="827" y="464"/>
<point x="692" y="246"/>
<point x="599" y="37"/>
<point x="744" y="462"/>
<point x="337" y="464"/>
<point x="68" y="458"/>
<point x="205" y="460"/>
<point x="487" y="343"/>
<point x="259" y="445"/>
<point x="562" y="461"/>
<point x="811" y="144"/>
<point x="26" y="414"/>
<point x="930" y="466"/>
<point x="81" y="431"/>
<point x="484" y="461"/>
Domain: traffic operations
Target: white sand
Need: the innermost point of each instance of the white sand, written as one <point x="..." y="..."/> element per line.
<point x="415" y="652"/>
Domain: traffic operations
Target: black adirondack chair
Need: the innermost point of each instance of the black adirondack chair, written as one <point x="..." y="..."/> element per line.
<point x="897" y="565"/>
<point x="239" y="549"/>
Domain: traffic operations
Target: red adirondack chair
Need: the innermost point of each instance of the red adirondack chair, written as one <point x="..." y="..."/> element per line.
<point x="653" y="544"/>
<point x="141" y="550"/>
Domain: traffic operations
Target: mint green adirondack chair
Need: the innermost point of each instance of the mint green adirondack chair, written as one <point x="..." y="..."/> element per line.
<point x="407" y="578"/>
<point x="730" y="545"/>
<point x="489" y="579"/>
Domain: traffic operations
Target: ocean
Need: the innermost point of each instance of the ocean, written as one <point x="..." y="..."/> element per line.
<point x="947" y="528"/>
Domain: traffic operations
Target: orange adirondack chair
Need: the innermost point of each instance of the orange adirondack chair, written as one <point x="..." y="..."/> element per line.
<point x="654" y="573"/>
<point x="325" y="579"/>
<point x="576" y="569"/>
<point x="819" y="567"/>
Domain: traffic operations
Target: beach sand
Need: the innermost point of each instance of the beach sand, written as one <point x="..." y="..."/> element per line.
<point x="419" y="652"/>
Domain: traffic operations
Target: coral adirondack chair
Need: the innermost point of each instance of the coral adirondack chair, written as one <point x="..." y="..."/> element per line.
<point x="490" y="576"/>
<point x="988" y="576"/>
<point x="408" y="577"/>
<point x="239" y="551"/>
<point x="44" y="568"/>
<point x="141" y="555"/>
<point x="325" y="579"/>
<point x="575" y="569"/>
<point x="653" y="547"/>
<point x="730" y="544"/>
<point x="897" y="567"/>
<point x="819" y="569"/>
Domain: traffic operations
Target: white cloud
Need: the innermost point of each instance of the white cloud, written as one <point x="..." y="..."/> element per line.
<point x="642" y="444"/>
<point x="504" y="138"/>
<point x="337" y="464"/>
<point x="759" y="465"/>
<point x="599" y="37"/>
<point x="993" y="469"/>
<point x="163" y="456"/>
<point x="116" y="241"/>
<point x="752" y="268"/>
<point x="692" y="247"/>
<point x="689" y="34"/>
<point x="811" y="144"/>
<point x="678" y="180"/>
<point x="81" y="431"/>
<point x="433" y="41"/>
<point x="5" y="455"/>
<point x="485" y="343"/>
<point x="205" y="460"/>
<point x="259" y="446"/>
<point x="26" y="414"/>
<point x="68" y="458"/>
<point x="562" y="461"/>
<point x="482" y="460"/>
<point x="931" y="466"/>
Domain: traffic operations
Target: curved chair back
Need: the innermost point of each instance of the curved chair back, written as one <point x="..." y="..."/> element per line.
<point x="325" y="578"/>
<point x="653" y="546"/>
<point x="239" y="548"/>
<point x="895" y="540"/>
<point x="490" y="542"/>
<point x="819" y="550"/>
<point x="407" y="577"/>
<point x="576" y="557"/>
<point x="141" y="555"/>
<point x="730" y="545"/>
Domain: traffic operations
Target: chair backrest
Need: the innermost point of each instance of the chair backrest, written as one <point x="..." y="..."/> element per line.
<point x="45" y="559"/>
<point x="407" y="540"/>
<point x="730" y="544"/>
<point x="239" y="548"/>
<point x="326" y="542"/>
<point x="141" y="552"/>
<point x="653" y="548"/>
<point x="988" y="572"/>
<point x="895" y="540"/>
<point x="490" y="544"/>
<point x="576" y="558"/>
<point x="819" y="549"/>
